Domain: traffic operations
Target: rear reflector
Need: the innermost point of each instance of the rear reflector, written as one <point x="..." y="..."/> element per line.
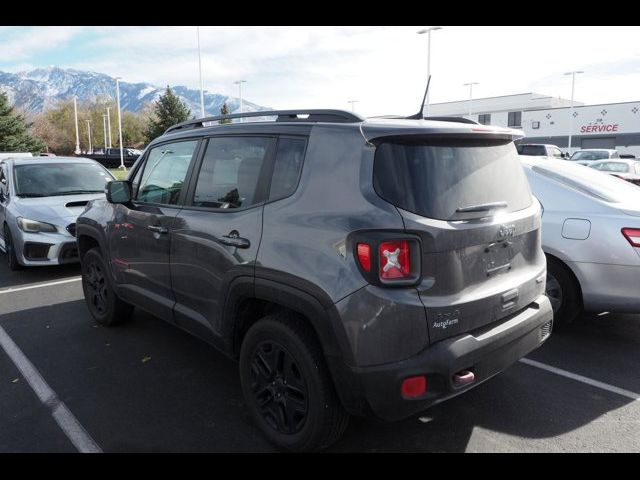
<point x="632" y="235"/>
<point x="364" y="256"/>
<point x="394" y="260"/>
<point x="414" y="387"/>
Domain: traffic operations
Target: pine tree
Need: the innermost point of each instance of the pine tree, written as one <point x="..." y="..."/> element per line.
<point x="168" y="111"/>
<point x="14" y="136"/>
<point x="225" y="111"/>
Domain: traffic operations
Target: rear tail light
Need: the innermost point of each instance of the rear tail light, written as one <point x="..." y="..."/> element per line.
<point x="386" y="260"/>
<point x="632" y="235"/>
<point x="364" y="256"/>
<point x="395" y="260"/>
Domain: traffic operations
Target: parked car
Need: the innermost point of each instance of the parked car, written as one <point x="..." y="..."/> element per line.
<point x="589" y="155"/>
<point x="591" y="236"/>
<point x="343" y="261"/>
<point x="540" y="150"/>
<point x="628" y="170"/>
<point x="40" y="199"/>
<point x="110" y="157"/>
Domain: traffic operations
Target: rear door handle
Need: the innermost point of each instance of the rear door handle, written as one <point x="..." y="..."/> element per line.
<point x="235" y="241"/>
<point x="158" y="229"/>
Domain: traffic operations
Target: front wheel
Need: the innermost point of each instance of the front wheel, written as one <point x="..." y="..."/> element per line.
<point x="12" y="258"/>
<point x="104" y="305"/>
<point x="286" y="385"/>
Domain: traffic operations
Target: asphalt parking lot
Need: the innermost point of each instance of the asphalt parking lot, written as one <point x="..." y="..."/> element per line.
<point x="149" y="387"/>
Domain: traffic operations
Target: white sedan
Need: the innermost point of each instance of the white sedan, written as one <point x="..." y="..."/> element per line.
<point x="591" y="236"/>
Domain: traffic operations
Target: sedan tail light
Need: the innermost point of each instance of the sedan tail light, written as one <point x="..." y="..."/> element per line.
<point x="632" y="235"/>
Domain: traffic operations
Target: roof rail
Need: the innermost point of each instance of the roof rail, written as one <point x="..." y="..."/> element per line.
<point x="331" y="116"/>
<point x="452" y="119"/>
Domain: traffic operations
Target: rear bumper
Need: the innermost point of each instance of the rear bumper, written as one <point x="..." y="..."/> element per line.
<point x="486" y="352"/>
<point x="606" y="287"/>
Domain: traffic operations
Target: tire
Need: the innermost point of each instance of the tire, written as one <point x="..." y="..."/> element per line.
<point x="103" y="304"/>
<point x="282" y="367"/>
<point x="12" y="259"/>
<point x="563" y="292"/>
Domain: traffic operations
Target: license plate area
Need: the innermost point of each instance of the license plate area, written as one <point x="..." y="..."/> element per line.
<point x="497" y="258"/>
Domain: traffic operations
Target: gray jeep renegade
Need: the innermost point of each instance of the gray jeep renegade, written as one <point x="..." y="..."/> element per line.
<point x="369" y="267"/>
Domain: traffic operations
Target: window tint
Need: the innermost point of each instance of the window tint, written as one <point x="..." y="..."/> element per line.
<point x="437" y="178"/>
<point x="287" y="167"/>
<point x="165" y="171"/>
<point x="230" y="172"/>
<point x="536" y="150"/>
<point x="3" y="180"/>
<point x="613" y="167"/>
<point x="590" y="155"/>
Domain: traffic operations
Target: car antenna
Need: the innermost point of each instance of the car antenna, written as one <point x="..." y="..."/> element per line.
<point x="420" y="114"/>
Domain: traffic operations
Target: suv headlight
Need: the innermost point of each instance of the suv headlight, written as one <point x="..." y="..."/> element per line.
<point x="33" y="226"/>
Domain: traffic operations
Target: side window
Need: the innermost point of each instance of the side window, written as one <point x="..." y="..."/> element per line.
<point x="165" y="171"/>
<point x="230" y="172"/>
<point x="3" y="181"/>
<point x="556" y="153"/>
<point x="288" y="165"/>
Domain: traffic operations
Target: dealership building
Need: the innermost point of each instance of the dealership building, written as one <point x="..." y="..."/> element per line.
<point x="546" y="119"/>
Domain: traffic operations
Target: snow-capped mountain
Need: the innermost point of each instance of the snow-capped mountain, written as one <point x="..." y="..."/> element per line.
<point x="39" y="89"/>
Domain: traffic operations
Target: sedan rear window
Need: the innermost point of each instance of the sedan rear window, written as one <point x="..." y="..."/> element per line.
<point x="612" y="167"/>
<point x="450" y="179"/>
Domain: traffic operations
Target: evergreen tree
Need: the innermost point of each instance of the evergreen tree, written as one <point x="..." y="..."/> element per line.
<point x="14" y="136"/>
<point x="225" y="111"/>
<point x="168" y="111"/>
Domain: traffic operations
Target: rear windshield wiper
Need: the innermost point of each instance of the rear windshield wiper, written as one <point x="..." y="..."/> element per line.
<point x="75" y="192"/>
<point x="483" y="207"/>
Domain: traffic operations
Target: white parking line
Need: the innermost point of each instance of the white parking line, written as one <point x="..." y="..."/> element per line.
<point x="61" y="414"/>
<point x="40" y="285"/>
<point x="580" y="378"/>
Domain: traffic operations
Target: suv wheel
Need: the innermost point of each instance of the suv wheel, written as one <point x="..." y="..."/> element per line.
<point x="12" y="259"/>
<point x="287" y="387"/>
<point x="563" y="293"/>
<point x="105" y="307"/>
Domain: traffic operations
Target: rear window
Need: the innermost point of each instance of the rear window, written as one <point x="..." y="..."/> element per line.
<point x="612" y="167"/>
<point x="592" y="155"/>
<point x="435" y="178"/>
<point x="536" y="150"/>
<point x="589" y="181"/>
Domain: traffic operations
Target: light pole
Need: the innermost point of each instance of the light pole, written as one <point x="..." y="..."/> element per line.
<point x="200" y="70"/>
<point x="120" y="124"/>
<point x="239" y="83"/>
<point x="470" y="85"/>
<point x="428" y="32"/>
<point x="75" y="114"/>
<point x="104" y="124"/>
<point x="89" y="133"/>
<point x="573" y="85"/>
<point x="109" y="125"/>
<point x="353" y="102"/>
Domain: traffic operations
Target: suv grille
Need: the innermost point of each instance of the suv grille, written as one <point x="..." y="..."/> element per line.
<point x="71" y="228"/>
<point x="545" y="330"/>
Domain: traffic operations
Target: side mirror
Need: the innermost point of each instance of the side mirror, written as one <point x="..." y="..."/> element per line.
<point x="118" y="191"/>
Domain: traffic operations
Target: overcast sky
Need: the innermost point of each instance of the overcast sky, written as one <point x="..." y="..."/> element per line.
<point x="384" y="68"/>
